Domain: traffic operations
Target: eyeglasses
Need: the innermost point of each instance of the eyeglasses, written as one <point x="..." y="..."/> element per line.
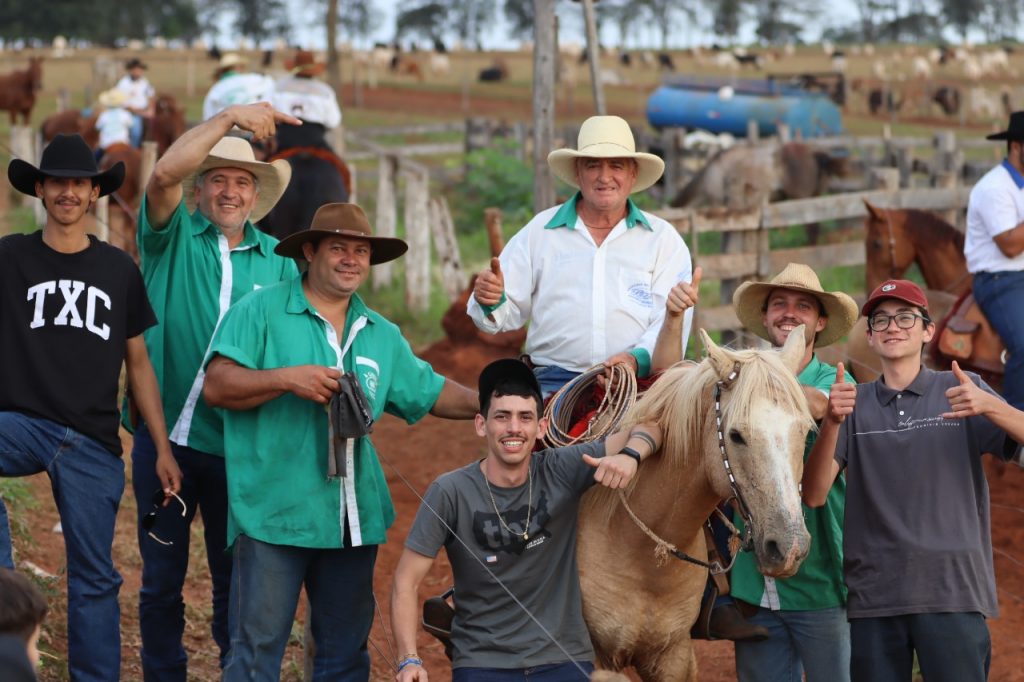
<point x="879" y="322"/>
<point x="150" y="519"/>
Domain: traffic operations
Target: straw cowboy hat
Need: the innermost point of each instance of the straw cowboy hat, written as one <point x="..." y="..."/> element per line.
<point x="304" y="63"/>
<point x="750" y="298"/>
<point x="345" y="220"/>
<point x="112" y="98"/>
<point x="67" y="156"/>
<point x="229" y="61"/>
<point x="1014" y="131"/>
<point x="606" y="137"/>
<point x="234" y="152"/>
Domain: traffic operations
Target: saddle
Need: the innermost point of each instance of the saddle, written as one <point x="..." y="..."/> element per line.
<point x="966" y="336"/>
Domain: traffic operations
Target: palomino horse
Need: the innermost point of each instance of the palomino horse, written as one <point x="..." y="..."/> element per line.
<point x="319" y="177"/>
<point x="18" y="90"/>
<point x="124" y="203"/>
<point x="894" y="240"/>
<point x="639" y="611"/>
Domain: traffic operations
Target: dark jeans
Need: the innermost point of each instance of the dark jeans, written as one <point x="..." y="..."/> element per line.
<point x="87" y="483"/>
<point x="1001" y="297"/>
<point x="265" y="585"/>
<point x="552" y="378"/>
<point x="553" y="672"/>
<point x="951" y="647"/>
<point x="161" y="608"/>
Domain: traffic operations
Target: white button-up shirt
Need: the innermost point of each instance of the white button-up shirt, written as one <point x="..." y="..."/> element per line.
<point x="239" y="88"/>
<point x="308" y="99"/>
<point x="996" y="206"/>
<point x="586" y="302"/>
<point x="139" y="91"/>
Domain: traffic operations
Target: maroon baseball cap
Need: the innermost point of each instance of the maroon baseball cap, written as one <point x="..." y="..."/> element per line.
<point x="900" y="289"/>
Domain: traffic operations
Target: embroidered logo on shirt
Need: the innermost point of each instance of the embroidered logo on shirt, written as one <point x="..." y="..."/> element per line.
<point x="640" y="293"/>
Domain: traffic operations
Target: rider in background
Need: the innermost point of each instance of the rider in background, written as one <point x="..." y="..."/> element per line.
<point x="303" y="96"/>
<point x="139" y="97"/>
<point x="232" y="86"/>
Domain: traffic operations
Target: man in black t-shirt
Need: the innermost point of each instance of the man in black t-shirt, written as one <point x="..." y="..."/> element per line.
<point x="510" y="518"/>
<point x="72" y="309"/>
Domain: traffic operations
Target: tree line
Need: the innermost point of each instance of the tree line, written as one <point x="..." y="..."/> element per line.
<point x="107" y="22"/>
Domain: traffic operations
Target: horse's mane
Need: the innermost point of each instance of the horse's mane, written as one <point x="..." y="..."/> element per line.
<point x="924" y="226"/>
<point x="680" y="401"/>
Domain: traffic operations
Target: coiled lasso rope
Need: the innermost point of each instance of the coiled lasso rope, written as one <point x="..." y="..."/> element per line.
<point x="619" y="395"/>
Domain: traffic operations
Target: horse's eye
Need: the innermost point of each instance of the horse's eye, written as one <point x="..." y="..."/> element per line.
<point x="877" y="243"/>
<point x="735" y="437"/>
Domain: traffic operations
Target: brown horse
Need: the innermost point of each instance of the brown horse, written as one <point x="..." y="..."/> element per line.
<point x="639" y="610"/>
<point x="168" y="122"/>
<point x="895" y="239"/>
<point x="69" y="122"/>
<point x="124" y="203"/>
<point x="18" y="90"/>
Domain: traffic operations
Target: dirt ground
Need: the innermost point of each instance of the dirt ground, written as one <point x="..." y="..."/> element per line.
<point x="412" y="458"/>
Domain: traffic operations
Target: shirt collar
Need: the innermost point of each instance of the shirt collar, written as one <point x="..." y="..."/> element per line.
<point x="919" y="386"/>
<point x="201" y="223"/>
<point x="566" y="215"/>
<point x="812" y="368"/>
<point x="1015" y="175"/>
<point x="298" y="303"/>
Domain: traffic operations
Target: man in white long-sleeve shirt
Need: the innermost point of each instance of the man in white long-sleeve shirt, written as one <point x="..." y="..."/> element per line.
<point x="591" y="275"/>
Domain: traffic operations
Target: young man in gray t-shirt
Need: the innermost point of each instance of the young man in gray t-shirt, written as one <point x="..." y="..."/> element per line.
<point x="917" y="539"/>
<point x="508" y="521"/>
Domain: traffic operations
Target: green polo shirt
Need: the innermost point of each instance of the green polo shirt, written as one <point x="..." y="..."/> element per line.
<point x="192" y="278"/>
<point x="819" y="582"/>
<point x="276" y="453"/>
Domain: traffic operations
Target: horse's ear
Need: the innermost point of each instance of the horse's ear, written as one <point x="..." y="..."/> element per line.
<point x="719" y="357"/>
<point x="793" y="350"/>
<point x="873" y="210"/>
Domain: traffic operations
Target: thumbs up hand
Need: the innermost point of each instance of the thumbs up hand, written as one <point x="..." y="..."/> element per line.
<point x="489" y="285"/>
<point x="842" y="397"/>
<point x="966" y="399"/>
<point x="683" y="295"/>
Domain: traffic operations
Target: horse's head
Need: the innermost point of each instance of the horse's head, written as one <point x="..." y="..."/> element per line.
<point x="888" y="252"/>
<point x="764" y="425"/>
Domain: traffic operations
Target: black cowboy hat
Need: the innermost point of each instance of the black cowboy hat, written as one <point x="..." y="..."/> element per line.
<point x="1014" y="131"/>
<point x="67" y="156"/>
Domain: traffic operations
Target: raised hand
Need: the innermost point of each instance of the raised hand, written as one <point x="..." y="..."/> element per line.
<point x="966" y="399"/>
<point x="490" y="285"/>
<point x="842" y="397"/>
<point x="261" y="119"/>
<point x="613" y="471"/>
<point x="683" y="295"/>
<point x="313" y="382"/>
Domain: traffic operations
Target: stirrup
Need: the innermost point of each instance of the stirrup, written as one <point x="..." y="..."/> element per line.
<point x="438" y="615"/>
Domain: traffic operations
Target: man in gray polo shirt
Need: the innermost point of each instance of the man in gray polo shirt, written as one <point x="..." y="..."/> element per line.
<point x="917" y="537"/>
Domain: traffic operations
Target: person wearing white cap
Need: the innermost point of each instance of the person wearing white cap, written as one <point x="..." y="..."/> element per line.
<point x="199" y="254"/>
<point x="592" y="275"/>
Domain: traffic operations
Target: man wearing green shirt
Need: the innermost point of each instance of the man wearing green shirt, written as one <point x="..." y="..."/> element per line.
<point x="805" y="614"/>
<point x="274" y="364"/>
<point x="199" y="254"/>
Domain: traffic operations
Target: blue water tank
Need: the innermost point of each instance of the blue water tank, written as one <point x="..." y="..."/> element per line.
<point x="720" y="106"/>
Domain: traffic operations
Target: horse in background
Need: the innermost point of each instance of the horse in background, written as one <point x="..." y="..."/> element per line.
<point x="894" y="240"/>
<point x="639" y="610"/>
<point x="319" y="177"/>
<point x="167" y="124"/>
<point x="18" y="90"/>
<point x="123" y="211"/>
<point x="70" y="122"/>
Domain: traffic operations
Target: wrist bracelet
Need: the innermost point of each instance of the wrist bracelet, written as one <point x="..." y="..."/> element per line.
<point x="630" y="452"/>
<point x="409" y="660"/>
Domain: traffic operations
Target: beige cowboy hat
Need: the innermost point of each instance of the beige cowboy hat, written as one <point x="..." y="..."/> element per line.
<point x="229" y="61"/>
<point x="750" y="297"/>
<point x="345" y="220"/>
<point x="112" y="98"/>
<point x="606" y="137"/>
<point x="304" y="63"/>
<point x="234" y="152"/>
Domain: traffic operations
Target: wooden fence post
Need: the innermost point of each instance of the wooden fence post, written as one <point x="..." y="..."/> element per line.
<point x="595" y="58"/>
<point x="386" y="216"/>
<point x="905" y="164"/>
<point x="947" y="179"/>
<point x="544" y="55"/>
<point x="417" y="234"/>
<point x="336" y="138"/>
<point x="753" y="131"/>
<point x="442" y="229"/>
<point x="103" y="218"/>
<point x="783" y="132"/>
<point x="22" y="147"/>
<point x="885" y="178"/>
<point x="63" y="99"/>
<point x="147" y="164"/>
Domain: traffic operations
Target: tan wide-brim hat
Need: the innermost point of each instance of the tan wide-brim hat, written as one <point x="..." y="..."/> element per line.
<point x="112" y="98"/>
<point x="750" y="298"/>
<point x="342" y="220"/>
<point x="304" y="63"/>
<point x="234" y="152"/>
<point x="606" y="137"/>
<point x="229" y="61"/>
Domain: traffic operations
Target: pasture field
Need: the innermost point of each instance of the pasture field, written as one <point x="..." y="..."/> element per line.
<point x="421" y="452"/>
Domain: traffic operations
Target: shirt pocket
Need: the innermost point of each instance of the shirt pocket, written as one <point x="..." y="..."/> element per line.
<point x="635" y="293"/>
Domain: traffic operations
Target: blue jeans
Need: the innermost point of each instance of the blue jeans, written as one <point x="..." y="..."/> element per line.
<point x="135" y="134"/>
<point x="813" y="642"/>
<point x="553" y="672"/>
<point x="161" y="608"/>
<point x="1001" y="297"/>
<point x="552" y="378"/>
<point x="87" y="483"/>
<point x="951" y="647"/>
<point x="265" y="584"/>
